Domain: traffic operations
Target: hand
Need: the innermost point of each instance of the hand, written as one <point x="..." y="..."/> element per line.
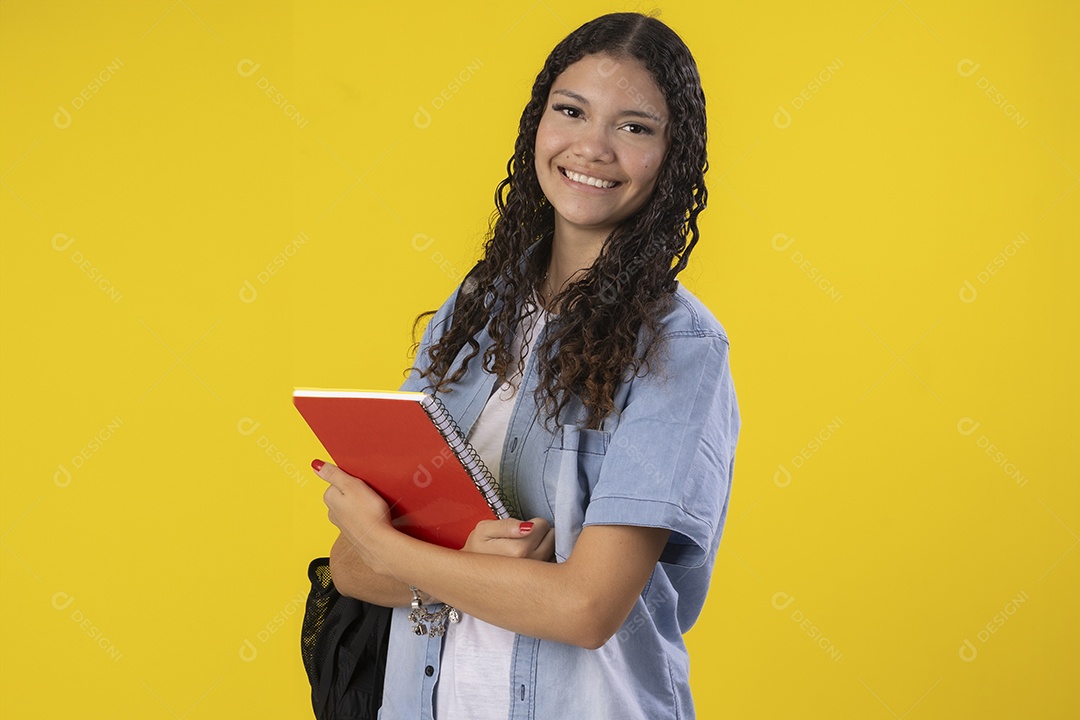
<point x="357" y="510"/>
<point x="513" y="538"/>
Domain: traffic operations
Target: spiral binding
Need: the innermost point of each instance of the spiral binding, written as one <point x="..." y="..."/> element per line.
<point x="481" y="476"/>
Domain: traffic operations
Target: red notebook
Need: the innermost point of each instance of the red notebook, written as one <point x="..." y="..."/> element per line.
<point x="406" y="447"/>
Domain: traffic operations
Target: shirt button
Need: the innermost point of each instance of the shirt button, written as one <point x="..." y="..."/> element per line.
<point x="429" y="671"/>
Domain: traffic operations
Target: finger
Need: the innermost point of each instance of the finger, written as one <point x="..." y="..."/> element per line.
<point x="546" y="549"/>
<point x="331" y="496"/>
<point x="530" y="535"/>
<point x="533" y="537"/>
<point x="332" y="474"/>
<point x="508" y="528"/>
<point x="536" y="527"/>
<point x="494" y="529"/>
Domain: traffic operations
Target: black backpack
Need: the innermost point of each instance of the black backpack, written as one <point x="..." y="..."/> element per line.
<point x="343" y="644"/>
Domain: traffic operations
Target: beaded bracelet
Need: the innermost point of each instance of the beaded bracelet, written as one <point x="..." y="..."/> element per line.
<point x="422" y="618"/>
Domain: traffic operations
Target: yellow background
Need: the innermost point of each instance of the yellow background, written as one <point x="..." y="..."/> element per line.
<point x="182" y="248"/>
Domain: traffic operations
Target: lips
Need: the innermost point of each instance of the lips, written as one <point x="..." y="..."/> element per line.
<point x="589" y="180"/>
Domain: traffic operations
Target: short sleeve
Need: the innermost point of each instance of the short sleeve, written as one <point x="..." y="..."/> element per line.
<point x="669" y="460"/>
<point x="436" y="326"/>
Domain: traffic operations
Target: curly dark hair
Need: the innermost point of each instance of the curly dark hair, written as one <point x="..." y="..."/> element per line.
<point x="611" y="312"/>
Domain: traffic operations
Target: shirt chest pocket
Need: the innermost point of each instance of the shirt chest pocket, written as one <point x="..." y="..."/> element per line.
<point x="572" y="467"/>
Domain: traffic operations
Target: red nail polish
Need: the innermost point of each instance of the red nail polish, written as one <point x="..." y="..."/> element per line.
<point x="525" y="527"/>
<point x="317" y="464"/>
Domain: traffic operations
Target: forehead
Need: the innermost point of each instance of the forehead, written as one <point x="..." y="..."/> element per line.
<point x="622" y="82"/>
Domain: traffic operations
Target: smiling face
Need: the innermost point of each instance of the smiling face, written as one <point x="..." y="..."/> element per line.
<point x="600" y="145"/>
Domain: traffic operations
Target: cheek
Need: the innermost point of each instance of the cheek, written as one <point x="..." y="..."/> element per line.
<point x="545" y="151"/>
<point x="650" y="168"/>
<point x="545" y="143"/>
<point x="647" y="176"/>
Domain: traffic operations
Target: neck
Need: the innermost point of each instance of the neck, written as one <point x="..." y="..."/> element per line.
<point x="571" y="256"/>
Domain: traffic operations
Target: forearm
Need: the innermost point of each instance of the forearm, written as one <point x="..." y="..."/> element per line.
<point x="530" y="597"/>
<point x="353" y="578"/>
<point x="582" y="601"/>
<point x="551" y="601"/>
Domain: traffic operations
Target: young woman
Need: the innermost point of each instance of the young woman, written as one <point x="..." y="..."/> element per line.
<point x="596" y="388"/>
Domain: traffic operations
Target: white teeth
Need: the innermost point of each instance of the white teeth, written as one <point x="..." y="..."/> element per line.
<point x="586" y="180"/>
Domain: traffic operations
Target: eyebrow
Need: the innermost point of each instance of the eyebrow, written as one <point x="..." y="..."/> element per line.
<point x="633" y="113"/>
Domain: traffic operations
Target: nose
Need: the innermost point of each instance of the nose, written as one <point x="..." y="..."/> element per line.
<point x="593" y="144"/>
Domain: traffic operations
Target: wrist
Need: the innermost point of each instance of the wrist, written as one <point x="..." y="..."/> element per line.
<point x="429" y="621"/>
<point x="379" y="549"/>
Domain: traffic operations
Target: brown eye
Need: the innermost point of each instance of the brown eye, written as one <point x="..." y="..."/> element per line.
<point x="568" y="110"/>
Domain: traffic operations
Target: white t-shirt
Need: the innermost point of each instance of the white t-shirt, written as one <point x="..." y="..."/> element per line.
<point x="476" y="655"/>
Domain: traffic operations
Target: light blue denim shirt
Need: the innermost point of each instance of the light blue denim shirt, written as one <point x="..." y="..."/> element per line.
<point x="665" y="460"/>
